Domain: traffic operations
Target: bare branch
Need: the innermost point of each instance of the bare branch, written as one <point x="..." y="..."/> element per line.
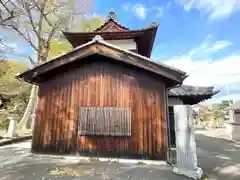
<point x="23" y="36"/>
<point x="19" y="15"/>
<point x="32" y="61"/>
<point x="50" y="36"/>
<point x="30" y="17"/>
<point x="53" y="30"/>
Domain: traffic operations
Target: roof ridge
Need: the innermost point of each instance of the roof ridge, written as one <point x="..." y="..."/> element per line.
<point x="149" y="65"/>
<point x="101" y="40"/>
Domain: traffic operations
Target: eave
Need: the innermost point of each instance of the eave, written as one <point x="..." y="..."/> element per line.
<point x="192" y="94"/>
<point x="144" y="38"/>
<point x="101" y="47"/>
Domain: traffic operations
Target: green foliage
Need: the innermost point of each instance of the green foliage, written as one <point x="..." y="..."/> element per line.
<point x="225" y="104"/>
<point x="92" y="159"/>
<point x="88" y="24"/>
<point x="58" y="47"/>
<point x="13" y="93"/>
<point x="140" y="163"/>
<point x="8" y="71"/>
<point x="216" y="115"/>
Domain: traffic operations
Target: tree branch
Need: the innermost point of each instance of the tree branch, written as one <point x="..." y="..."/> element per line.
<point x="30" y="17"/>
<point x="32" y="61"/>
<point x="23" y="36"/>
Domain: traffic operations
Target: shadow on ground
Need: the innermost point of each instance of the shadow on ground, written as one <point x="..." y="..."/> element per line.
<point x="28" y="169"/>
<point x="219" y="158"/>
<point x="16" y="162"/>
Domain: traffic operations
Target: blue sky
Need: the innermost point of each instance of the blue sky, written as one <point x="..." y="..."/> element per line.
<point x="200" y="37"/>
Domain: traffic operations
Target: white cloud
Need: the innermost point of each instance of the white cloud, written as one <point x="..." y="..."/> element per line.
<point x="234" y="97"/>
<point x="11" y="45"/>
<point x="169" y="4"/>
<point x="207" y="72"/>
<point x="209" y="46"/>
<point x="216" y="9"/>
<point x="218" y="46"/>
<point x="125" y="6"/>
<point x="222" y="74"/>
<point x="140" y="11"/>
<point x="159" y="12"/>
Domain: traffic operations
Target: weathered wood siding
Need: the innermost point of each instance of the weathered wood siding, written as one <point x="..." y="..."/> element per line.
<point x="101" y="84"/>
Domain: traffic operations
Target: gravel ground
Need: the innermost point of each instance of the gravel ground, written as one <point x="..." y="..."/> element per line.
<point x="218" y="157"/>
<point x="18" y="163"/>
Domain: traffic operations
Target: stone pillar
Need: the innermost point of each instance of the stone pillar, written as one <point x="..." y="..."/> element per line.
<point x="233" y="125"/>
<point x="186" y="163"/>
<point x="34" y="109"/>
<point x="11" y="128"/>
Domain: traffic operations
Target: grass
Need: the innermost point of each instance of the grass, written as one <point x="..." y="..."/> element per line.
<point x="2" y="132"/>
<point x="92" y="159"/>
<point x="140" y="163"/>
<point x="65" y="171"/>
<point x="204" y="177"/>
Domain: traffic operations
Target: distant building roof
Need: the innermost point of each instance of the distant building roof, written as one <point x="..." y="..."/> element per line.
<point x="113" y="30"/>
<point x="235" y="106"/>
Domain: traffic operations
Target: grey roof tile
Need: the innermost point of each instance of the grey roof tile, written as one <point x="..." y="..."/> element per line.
<point x="187" y="90"/>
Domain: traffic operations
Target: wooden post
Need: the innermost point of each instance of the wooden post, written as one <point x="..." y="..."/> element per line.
<point x="185" y="143"/>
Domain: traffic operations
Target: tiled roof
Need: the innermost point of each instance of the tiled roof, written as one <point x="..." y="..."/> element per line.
<point x="192" y="94"/>
<point x="175" y="76"/>
<point x="187" y="90"/>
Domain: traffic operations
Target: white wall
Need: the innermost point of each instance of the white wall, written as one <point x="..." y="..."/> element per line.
<point x="174" y="101"/>
<point x="128" y="44"/>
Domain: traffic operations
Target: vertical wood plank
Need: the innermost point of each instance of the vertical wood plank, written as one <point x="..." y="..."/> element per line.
<point x="104" y="84"/>
<point x="45" y="124"/>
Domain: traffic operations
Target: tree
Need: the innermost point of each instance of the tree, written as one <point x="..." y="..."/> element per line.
<point x="13" y="93"/>
<point x="223" y="107"/>
<point x="38" y="22"/>
<point x="60" y="46"/>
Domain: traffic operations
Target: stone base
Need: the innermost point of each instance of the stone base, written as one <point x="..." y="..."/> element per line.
<point x="233" y="130"/>
<point x="194" y="174"/>
<point x="10" y="136"/>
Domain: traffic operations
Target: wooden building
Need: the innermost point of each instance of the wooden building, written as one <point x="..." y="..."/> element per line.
<point x="107" y="97"/>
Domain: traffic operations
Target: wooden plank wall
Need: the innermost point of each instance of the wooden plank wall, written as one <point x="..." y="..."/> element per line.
<point x="101" y="84"/>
